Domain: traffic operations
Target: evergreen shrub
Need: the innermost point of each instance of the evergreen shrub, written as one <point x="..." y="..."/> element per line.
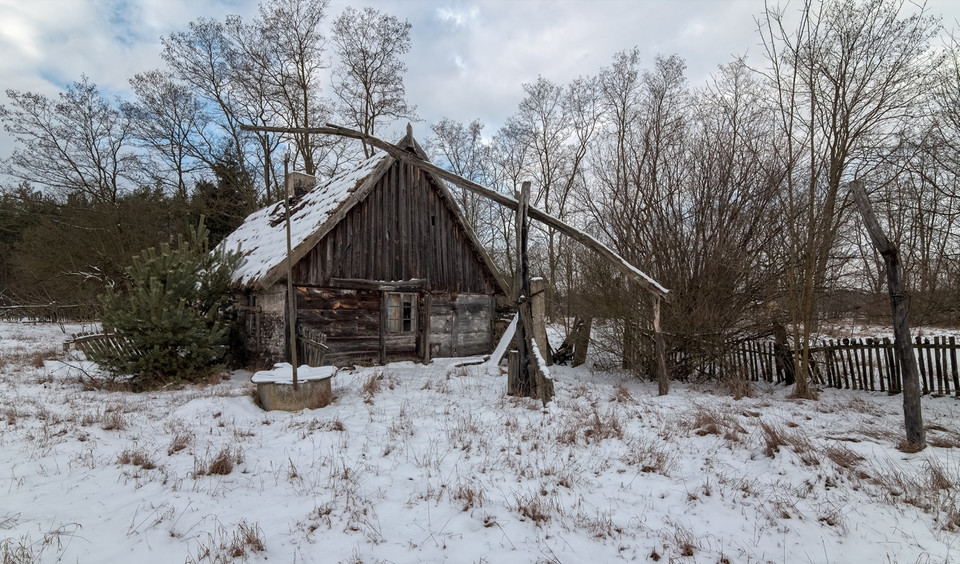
<point x="174" y="311"/>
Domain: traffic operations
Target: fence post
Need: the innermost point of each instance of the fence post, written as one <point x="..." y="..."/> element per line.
<point x="849" y="373"/>
<point x="920" y="364"/>
<point x="953" y="366"/>
<point x="937" y="351"/>
<point x="878" y="350"/>
<point x="893" y="386"/>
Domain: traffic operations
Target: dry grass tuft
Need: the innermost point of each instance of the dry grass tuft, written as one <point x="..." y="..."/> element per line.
<point x="773" y="438"/>
<point x="136" y="457"/>
<point x="37" y="360"/>
<point x="622" y="395"/>
<point x="711" y="421"/>
<point x="932" y="489"/>
<point x="534" y="507"/>
<point x="180" y="440"/>
<point x="113" y="420"/>
<point x="650" y="455"/>
<point x="469" y="495"/>
<point x="247" y="537"/>
<point x="739" y="388"/>
<point x="941" y="437"/>
<point x="223" y="546"/>
<point x="220" y="465"/>
<point x="802" y="447"/>
<point x="910" y="448"/>
<point x="334" y="424"/>
<point x="375" y="382"/>
<point x="591" y="426"/>
<point x="845" y="458"/>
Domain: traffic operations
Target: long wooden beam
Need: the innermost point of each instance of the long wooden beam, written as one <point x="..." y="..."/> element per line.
<point x="627" y="269"/>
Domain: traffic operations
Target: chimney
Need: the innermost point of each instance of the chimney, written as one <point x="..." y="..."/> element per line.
<point x="299" y="184"/>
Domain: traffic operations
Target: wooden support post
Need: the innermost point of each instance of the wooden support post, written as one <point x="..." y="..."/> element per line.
<point x="291" y="297"/>
<point x="663" y="378"/>
<point x="425" y="326"/>
<point x="383" y="327"/>
<point x="531" y="380"/>
<point x="539" y="310"/>
<point x="953" y="366"/>
<point x="513" y="372"/>
<point x="582" y="342"/>
<point x="912" y="415"/>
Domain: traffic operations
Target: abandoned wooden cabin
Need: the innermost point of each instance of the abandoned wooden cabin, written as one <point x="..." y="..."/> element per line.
<point x="383" y="264"/>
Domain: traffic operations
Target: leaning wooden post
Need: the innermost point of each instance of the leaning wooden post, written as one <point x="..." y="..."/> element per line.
<point x="912" y="415"/>
<point x="291" y="298"/>
<point x="663" y="379"/>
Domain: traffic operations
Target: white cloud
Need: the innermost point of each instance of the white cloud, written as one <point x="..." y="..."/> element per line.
<point x="458" y="17"/>
<point x="468" y="57"/>
<point x="693" y="29"/>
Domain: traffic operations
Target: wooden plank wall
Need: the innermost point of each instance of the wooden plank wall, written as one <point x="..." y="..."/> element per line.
<point x="461" y="325"/>
<point x="403" y="230"/>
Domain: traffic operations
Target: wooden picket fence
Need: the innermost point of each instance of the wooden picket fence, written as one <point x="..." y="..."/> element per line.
<point x="99" y="345"/>
<point x="312" y="346"/>
<point x="871" y="364"/>
<point x="856" y="364"/>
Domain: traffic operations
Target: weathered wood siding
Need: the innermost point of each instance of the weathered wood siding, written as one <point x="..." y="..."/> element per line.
<point x="402" y="230"/>
<point x="351" y="320"/>
<point x="461" y="325"/>
<point x="263" y="325"/>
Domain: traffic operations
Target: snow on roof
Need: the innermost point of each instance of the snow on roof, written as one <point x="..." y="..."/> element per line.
<point x="262" y="238"/>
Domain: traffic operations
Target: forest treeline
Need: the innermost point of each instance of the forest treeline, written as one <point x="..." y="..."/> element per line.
<point x="732" y="194"/>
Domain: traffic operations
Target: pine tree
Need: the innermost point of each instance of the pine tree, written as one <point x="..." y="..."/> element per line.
<point x="174" y="312"/>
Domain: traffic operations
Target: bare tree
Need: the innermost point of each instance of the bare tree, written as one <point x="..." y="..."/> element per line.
<point x="638" y="171"/>
<point x="95" y="212"/>
<point x="369" y="75"/>
<point x="286" y="45"/>
<point x="843" y="80"/>
<point x="555" y="124"/>
<point x="205" y="58"/>
<point x="265" y="72"/>
<point x="79" y="143"/>
<point x="168" y="121"/>
<point x="460" y="149"/>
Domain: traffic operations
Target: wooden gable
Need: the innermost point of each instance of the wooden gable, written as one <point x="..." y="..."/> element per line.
<point x="404" y="228"/>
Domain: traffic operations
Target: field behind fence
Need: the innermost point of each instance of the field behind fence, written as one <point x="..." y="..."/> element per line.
<point x="857" y="364"/>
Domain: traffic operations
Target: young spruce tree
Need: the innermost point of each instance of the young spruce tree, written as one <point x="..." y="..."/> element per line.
<point x="174" y="312"/>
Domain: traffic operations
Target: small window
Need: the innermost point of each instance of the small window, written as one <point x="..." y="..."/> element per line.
<point x="401" y="313"/>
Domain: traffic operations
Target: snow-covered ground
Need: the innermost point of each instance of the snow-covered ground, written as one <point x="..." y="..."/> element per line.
<point x="435" y="463"/>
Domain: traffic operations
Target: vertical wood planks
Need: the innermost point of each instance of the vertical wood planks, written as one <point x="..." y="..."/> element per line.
<point x="867" y="364"/>
<point x="953" y="366"/>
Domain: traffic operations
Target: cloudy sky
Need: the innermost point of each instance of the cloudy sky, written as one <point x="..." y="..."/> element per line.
<point x="468" y="61"/>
